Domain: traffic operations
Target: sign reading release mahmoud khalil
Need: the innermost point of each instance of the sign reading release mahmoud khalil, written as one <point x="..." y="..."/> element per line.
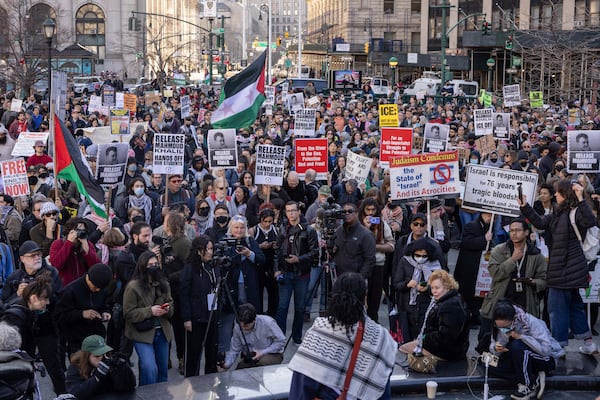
<point x="583" y="151"/>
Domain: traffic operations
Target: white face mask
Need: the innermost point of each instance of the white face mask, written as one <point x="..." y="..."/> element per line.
<point x="421" y="259"/>
<point x="138" y="191"/>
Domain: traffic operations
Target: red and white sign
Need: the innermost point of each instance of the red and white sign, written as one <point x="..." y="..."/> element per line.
<point x="14" y="175"/>
<point x="425" y="175"/>
<point x="395" y="142"/>
<point x="311" y="154"/>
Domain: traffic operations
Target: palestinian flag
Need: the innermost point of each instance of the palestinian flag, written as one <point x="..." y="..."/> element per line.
<point x="242" y="97"/>
<point x="69" y="164"/>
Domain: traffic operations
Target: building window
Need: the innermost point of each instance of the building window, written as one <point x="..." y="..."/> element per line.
<point x="37" y="15"/>
<point x="415" y="6"/>
<point x="90" y="29"/>
<point x="388" y="6"/>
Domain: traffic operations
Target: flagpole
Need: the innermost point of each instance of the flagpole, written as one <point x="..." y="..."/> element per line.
<point x="52" y="121"/>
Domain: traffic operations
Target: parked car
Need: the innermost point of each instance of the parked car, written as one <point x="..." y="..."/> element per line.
<point x="86" y="84"/>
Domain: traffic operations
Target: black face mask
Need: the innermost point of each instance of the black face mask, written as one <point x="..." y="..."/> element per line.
<point x="222" y="219"/>
<point x="523" y="163"/>
<point x="493" y="160"/>
<point x="471" y="142"/>
<point x="155" y="273"/>
<point x="204" y="213"/>
<point x="33" y="180"/>
<point x="44" y="175"/>
<point x="559" y="168"/>
<point x="138" y="218"/>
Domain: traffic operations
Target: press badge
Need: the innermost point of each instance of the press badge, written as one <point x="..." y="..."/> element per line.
<point x="212" y="304"/>
<point x="518" y="287"/>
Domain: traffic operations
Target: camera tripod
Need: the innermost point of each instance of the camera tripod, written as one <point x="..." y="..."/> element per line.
<point x="221" y="286"/>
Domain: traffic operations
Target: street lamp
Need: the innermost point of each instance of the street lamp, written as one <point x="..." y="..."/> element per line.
<point x="491" y="63"/>
<point x="49" y="28"/>
<point x="393" y="62"/>
<point x="267" y="8"/>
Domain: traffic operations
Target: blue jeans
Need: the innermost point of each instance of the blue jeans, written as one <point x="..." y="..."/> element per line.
<point x="317" y="273"/>
<point x="153" y="359"/>
<point x="292" y="282"/>
<point x="566" y="311"/>
<point x="466" y="217"/>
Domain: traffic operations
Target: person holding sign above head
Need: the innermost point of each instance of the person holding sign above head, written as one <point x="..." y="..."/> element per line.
<point x="567" y="264"/>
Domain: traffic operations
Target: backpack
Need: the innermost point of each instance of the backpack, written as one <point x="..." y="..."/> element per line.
<point x="17" y="376"/>
<point x="591" y="244"/>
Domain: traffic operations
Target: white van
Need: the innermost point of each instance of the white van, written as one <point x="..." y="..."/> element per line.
<point x="381" y="87"/>
<point x="430" y="86"/>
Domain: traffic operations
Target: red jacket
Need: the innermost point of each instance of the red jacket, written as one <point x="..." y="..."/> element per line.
<point x="71" y="263"/>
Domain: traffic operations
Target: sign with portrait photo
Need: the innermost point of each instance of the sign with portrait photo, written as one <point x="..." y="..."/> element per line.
<point x="583" y="151"/>
<point x="502" y="125"/>
<point x="119" y="121"/>
<point x="304" y="122"/>
<point x="222" y="148"/>
<point x="435" y="138"/>
<point x="111" y="163"/>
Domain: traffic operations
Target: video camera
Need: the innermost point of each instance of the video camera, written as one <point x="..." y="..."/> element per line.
<point x="328" y="213"/>
<point x="222" y="249"/>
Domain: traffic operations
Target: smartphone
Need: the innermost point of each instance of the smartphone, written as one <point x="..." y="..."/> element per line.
<point x="375" y="220"/>
<point x="520" y="191"/>
<point x="163" y="306"/>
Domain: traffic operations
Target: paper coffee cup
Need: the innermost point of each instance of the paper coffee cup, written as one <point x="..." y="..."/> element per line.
<point x="431" y="389"/>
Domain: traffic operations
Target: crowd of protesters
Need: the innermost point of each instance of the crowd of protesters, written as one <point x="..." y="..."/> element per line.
<point x="149" y="276"/>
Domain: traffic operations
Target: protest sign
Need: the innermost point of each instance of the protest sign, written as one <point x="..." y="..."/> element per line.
<point x="394" y="142"/>
<point x="119" y="121"/>
<point x="357" y="167"/>
<point x="536" y="99"/>
<point x="119" y="100"/>
<point x="59" y="92"/>
<point x="304" y="122"/>
<point x="169" y="150"/>
<point x="168" y="93"/>
<point x="502" y="125"/>
<point x="269" y="96"/>
<point x="130" y="102"/>
<point x="591" y="294"/>
<point x="512" y="95"/>
<point x="311" y="154"/>
<point x="313" y="102"/>
<point x="26" y="141"/>
<point x="574" y="117"/>
<point x="108" y="96"/>
<point x="485" y="145"/>
<point x="425" y="175"/>
<point x="435" y="138"/>
<point x="95" y="103"/>
<point x="495" y="190"/>
<point x="269" y="164"/>
<point x="186" y="106"/>
<point x="111" y="163"/>
<point x="152" y="97"/>
<point x="583" y="151"/>
<point x="16" y="105"/>
<point x="14" y="176"/>
<point x="484" y="121"/>
<point x="295" y="102"/>
<point x="388" y="115"/>
<point x="222" y="148"/>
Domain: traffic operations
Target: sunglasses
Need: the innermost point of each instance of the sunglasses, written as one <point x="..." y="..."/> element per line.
<point x="421" y="224"/>
<point x="176" y="180"/>
<point x="348" y="211"/>
<point x="52" y="214"/>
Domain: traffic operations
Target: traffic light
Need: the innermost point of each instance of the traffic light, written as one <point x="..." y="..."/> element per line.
<point x="131" y="23"/>
<point x="138" y="24"/>
<point x="508" y="45"/>
<point x="485" y="28"/>
<point x="366" y="47"/>
<point x="278" y="41"/>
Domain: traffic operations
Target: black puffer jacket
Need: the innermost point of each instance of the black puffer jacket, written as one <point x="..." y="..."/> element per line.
<point x="446" y="329"/>
<point x="567" y="266"/>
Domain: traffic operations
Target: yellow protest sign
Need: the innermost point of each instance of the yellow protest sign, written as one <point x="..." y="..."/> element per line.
<point x="388" y="115"/>
<point x="536" y="99"/>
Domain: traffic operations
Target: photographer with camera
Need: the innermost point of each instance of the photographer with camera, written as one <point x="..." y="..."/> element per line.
<point x="297" y="252"/>
<point x="354" y="249"/>
<point x="74" y="254"/>
<point x="257" y="338"/>
<point x="95" y="371"/>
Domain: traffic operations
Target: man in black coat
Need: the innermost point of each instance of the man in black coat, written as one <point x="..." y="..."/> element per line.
<point x="82" y="307"/>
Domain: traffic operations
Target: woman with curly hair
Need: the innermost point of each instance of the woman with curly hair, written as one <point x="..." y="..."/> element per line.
<point x="318" y="374"/>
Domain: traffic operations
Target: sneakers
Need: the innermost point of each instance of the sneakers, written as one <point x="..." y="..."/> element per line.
<point x="589" y="349"/>
<point x="540" y="384"/>
<point x="523" y="393"/>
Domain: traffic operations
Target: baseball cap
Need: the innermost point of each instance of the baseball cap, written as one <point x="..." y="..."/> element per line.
<point x="96" y="345"/>
<point x="325" y="190"/>
<point x="29" y="246"/>
<point x="420" y="216"/>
